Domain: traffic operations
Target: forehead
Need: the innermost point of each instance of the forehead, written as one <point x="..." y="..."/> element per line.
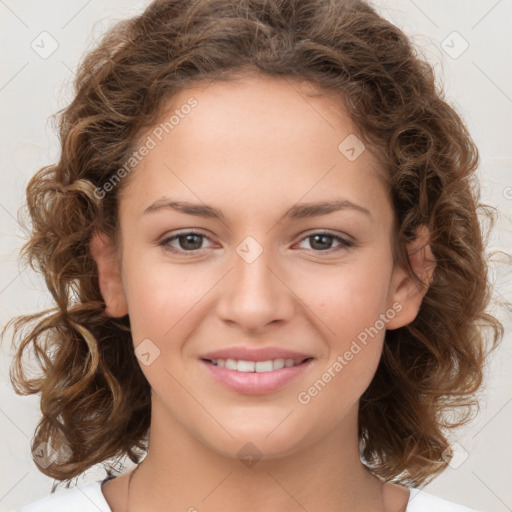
<point x="246" y="140"/>
<point x="260" y="113"/>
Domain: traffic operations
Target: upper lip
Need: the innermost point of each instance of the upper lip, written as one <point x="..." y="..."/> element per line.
<point x="255" y="354"/>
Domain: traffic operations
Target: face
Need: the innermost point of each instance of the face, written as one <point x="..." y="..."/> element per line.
<point x="250" y="267"/>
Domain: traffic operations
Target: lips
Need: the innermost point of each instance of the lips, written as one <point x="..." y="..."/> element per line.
<point x="255" y="354"/>
<point x="255" y="383"/>
<point x="248" y="371"/>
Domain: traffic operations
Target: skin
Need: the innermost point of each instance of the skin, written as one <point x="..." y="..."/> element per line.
<point x="254" y="148"/>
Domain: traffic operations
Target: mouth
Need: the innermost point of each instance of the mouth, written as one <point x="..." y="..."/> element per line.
<point x="255" y="377"/>
<point x="245" y="366"/>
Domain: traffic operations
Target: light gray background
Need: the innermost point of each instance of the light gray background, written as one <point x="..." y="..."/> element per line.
<point x="478" y="82"/>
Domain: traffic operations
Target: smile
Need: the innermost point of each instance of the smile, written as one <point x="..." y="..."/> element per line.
<point x="257" y="366"/>
<point x="255" y="377"/>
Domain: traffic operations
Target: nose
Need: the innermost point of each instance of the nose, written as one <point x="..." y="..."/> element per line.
<point x="255" y="294"/>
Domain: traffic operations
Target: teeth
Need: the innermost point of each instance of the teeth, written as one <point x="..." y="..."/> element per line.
<point x="256" y="366"/>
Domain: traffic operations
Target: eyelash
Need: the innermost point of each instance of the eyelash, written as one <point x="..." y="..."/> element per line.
<point x="345" y="244"/>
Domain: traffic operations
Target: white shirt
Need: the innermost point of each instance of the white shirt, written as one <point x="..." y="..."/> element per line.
<point x="90" y="498"/>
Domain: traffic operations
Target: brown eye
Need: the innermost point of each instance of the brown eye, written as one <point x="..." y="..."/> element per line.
<point x="322" y="242"/>
<point x="186" y="241"/>
<point x="191" y="241"/>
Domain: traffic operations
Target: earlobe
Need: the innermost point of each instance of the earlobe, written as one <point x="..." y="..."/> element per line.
<point x="109" y="275"/>
<point x="406" y="290"/>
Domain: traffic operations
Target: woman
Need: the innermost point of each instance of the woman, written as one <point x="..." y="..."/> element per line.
<point x="263" y="244"/>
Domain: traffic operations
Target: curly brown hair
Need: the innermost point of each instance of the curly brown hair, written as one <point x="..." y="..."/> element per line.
<point x="95" y="400"/>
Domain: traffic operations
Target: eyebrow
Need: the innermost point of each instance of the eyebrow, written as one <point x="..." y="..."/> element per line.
<point x="297" y="211"/>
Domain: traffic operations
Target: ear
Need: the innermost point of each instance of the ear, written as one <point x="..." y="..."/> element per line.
<point x="405" y="289"/>
<point x="109" y="275"/>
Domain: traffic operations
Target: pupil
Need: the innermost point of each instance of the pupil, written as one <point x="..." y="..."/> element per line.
<point x="190" y="238"/>
<point x="316" y="237"/>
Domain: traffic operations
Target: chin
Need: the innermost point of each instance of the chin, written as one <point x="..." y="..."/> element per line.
<point x="256" y="444"/>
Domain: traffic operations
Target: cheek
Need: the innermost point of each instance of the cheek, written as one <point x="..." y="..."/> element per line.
<point x="349" y="300"/>
<point x="157" y="300"/>
<point x="351" y="306"/>
<point x="354" y="335"/>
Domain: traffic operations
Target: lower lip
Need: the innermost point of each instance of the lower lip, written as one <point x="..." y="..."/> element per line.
<point x="255" y="383"/>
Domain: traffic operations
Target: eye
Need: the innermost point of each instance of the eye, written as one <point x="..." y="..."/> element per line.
<point x="192" y="241"/>
<point x="322" y="240"/>
<point x="188" y="242"/>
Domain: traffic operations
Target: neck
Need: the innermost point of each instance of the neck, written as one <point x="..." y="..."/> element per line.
<point x="182" y="473"/>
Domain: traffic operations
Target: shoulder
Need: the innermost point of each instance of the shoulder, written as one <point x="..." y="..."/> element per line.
<point x="421" y="501"/>
<point x="83" y="498"/>
<point x="89" y="498"/>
